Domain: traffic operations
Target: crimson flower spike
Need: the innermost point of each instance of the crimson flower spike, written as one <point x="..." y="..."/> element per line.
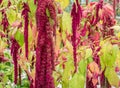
<point x="76" y="14"/>
<point x="114" y="7"/>
<point x="4" y="22"/>
<point x="45" y="46"/>
<point x="14" y="52"/>
<point x="26" y="22"/>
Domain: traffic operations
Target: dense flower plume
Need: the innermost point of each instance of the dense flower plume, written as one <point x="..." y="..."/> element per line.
<point x="14" y="52"/>
<point x="5" y="22"/>
<point x="70" y="47"/>
<point x="45" y="50"/>
<point x="76" y="14"/>
<point x="26" y="21"/>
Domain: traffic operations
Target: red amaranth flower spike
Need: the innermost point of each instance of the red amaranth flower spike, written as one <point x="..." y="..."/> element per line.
<point x="5" y="22"/>
<point x="14" y="52"/>
<point x="45" y="46"/>
<point x="76" y="14"/>
<point x="50" y="59"/>
<point x="26" y="21"/>
<point x="53" y="15"/>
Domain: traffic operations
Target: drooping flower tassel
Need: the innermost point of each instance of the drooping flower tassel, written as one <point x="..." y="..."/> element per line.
<point x="5" y="22"/>
<point x="14" y="52"/>
<point x="45" y="46"/>
<point x="26" y="23"/>
<point x="76" y="14"/>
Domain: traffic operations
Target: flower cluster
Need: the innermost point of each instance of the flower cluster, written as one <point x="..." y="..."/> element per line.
<point x="76" y="14"/>
<point x="5" y="22"/>
<point x="45" y="45"/>
<point x="14" y="52"/>
<point x="26" y="21"/>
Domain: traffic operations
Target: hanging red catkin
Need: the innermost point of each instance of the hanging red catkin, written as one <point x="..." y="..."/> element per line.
<point x="26" y="22"/>
<point x="49" y="61"/>
<point x="53" y="16"/>
<point x="5" y="22"/>
<point x="51" y="8"/>
<point x="44" y="49"/>
<point x="14" y="52"/>
<point x="76" y="14"/>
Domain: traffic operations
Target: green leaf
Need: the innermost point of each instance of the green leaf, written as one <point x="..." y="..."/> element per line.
<point x="77" y="81"/>
<point x="25" y="83"/>
<point x="7" y="54"/>
<point x="5" y="79"/>
<point x="67" y="73"/>
<point x="1" y="85"/>
<point x="63" y="3"/>
<point x="32" y="7"/>
<point x="108" y="54"/>
<point x="89" y="60"/>
<point x="5" y="3"/>
<point x="66" y="24"/>
<point x="0" y="17"/>
<point x="19" y="37"/>
<point x="82" y="67"/>
<point x="8" y="86"/>
<point x="88" y="53"/>
<point x="112" y="77"/>
<point x="11" y="15"/>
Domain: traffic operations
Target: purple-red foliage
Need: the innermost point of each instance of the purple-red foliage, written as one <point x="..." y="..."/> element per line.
<point x="45" y="46"/>
<point x="98" y="7"/>
<point x="14" y="52"/>
<point x="84" y="30"/>
<point x="76" y="14"/>
<point x="25" y="12"/>
<point x="5" y="22"/>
